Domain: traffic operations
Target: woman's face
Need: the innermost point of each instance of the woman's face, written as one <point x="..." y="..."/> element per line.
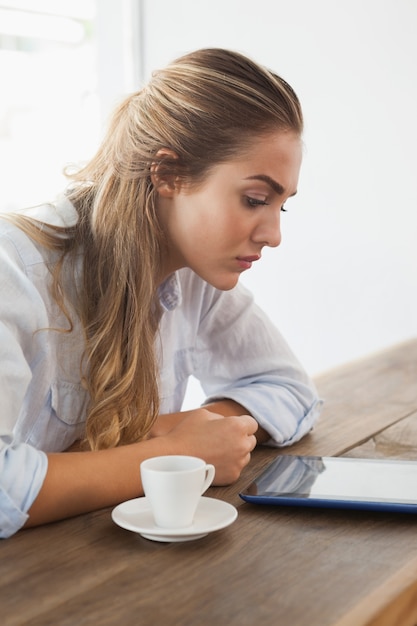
<point x="219" y="228"/>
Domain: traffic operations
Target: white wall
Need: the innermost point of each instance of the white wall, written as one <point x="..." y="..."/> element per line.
<point x="344" y="281"/>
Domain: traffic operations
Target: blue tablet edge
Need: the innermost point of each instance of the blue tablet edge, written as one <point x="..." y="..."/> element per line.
<point x="396" y="507"/>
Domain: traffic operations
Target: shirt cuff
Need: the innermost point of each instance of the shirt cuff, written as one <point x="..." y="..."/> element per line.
<point x="23" y="470"/>
<point x="286" y="421"/>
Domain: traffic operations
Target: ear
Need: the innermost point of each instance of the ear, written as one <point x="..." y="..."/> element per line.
<point x="163" y="178"/>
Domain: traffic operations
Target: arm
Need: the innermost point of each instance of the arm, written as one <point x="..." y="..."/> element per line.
<point x="78" y="482"/>
<point x="226" y="408"/>
<point x="229" y="408"/>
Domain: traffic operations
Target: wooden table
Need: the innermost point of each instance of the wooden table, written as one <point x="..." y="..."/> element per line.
<point x="274" y="566"/>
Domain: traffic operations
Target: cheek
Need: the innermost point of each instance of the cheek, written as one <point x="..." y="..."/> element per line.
<point x="199" y="220"/>
<point x="204" y="221"/>
<point x="192" y="231"/>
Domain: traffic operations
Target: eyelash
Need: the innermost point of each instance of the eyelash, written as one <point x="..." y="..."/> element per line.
<point x="254" y="202"/>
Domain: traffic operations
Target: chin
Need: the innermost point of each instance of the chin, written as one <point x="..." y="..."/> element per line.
<point x="226" y="284"/>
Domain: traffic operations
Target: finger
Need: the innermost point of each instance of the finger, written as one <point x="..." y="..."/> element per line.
<point x="247" y="459"/>
<point x="251" y="423"/>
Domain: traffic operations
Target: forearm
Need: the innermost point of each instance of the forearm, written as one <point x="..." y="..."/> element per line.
<point x="165" y="423"/>
<point x="228" y="407"/>
<point x="79" y="482"/>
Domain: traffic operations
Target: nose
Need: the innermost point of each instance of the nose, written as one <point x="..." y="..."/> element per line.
<point x="268" y="231"/>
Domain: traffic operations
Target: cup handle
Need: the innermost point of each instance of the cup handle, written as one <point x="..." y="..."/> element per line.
<point x="210" y="471"/>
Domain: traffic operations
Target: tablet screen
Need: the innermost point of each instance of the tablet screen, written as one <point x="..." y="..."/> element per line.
<point x="336" y="481"/>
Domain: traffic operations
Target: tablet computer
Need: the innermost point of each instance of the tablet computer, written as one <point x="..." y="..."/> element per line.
<point x="336" y="482"/>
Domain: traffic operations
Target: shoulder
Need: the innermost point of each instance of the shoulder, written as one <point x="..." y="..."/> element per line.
<point x="17" y="246"/>
<point x="61" y="212"/>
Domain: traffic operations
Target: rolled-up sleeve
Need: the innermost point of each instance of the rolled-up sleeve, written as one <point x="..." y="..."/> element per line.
<point x="22" y="472"/>
<point x="242" y="356"/>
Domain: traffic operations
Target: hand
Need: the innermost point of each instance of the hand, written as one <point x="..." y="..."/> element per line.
<point x="226" y="442"/>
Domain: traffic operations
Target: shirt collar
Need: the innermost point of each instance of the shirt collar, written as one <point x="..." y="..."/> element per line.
<point x="169" y="293"/>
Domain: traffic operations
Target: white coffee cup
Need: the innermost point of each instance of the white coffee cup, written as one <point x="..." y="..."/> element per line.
<point x="173" y="485"/>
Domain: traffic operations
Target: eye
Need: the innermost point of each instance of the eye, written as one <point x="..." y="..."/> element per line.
<point x="254" y="202"/>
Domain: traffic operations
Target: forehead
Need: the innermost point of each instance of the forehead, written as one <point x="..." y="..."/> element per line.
<point x="281" y="145"/>
<point x="276" y="155"/>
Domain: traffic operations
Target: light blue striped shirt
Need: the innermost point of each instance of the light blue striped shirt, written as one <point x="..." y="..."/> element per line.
<point x="220" y="337"/>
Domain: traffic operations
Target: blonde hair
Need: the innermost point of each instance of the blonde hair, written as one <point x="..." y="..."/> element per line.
<point x="206" y="107"/>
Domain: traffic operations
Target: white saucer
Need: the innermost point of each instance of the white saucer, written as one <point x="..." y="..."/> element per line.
<point x="211" y="514"/>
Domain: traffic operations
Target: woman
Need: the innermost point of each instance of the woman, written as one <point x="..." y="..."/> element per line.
<point x="115" y="294"/>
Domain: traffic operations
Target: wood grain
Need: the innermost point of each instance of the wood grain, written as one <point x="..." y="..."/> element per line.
<point x="398" y="441"/>
<point x="394" y="603"/>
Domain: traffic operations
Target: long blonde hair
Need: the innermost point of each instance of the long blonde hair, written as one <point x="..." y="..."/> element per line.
<point x="206" y="107"/>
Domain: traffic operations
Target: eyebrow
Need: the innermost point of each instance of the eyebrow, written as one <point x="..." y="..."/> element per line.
<point x="277" y="187"/>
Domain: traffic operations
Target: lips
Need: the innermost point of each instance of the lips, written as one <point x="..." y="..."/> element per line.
<point x="245" y="262"/>
<point x="249" y="259"/>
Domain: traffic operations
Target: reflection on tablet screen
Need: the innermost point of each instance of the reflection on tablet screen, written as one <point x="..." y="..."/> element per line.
<point x="337" y="478"/>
